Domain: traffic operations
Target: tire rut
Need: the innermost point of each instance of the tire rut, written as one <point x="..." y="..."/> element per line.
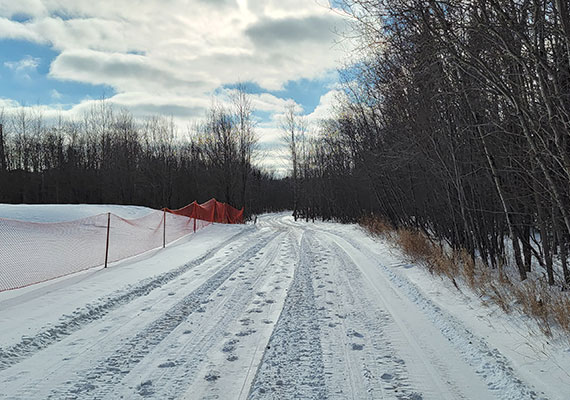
<point x="98" y="382"/>
<point x="487" y="362"/>
<point x="292" y="365"/>
<point x="68" y="324"/>
<point x="167" y="383"/>
<point x="384" y="372"/>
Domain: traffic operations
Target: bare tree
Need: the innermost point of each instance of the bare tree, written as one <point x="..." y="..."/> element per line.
<point x="247" y="139"/>
<point x="3" y="165"/>
<point x="294" y="127"/>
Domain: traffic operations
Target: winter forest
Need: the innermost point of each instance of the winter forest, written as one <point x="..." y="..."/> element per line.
<point x="285" y="199"/>
<point x="454" y="122"/>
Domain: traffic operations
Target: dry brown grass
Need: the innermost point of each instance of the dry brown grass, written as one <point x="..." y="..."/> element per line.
<point x="469" y="266"/>
<point x="561" y="312"/>
<point x="498" y="295"/>
<point x="415" y="245"/>
<point x="533" y="298"/>
<point x="377" y="226"/>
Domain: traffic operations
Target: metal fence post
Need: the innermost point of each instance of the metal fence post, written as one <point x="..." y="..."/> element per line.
<point x="108" y="230"/>
<point x="164" y="230"/>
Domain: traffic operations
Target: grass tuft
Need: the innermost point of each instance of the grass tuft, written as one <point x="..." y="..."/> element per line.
<point x="533" y="298"/>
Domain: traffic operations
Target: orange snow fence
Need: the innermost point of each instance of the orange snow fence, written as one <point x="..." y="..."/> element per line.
<point x="212" y="211"/>
<point x="33" y="252"/>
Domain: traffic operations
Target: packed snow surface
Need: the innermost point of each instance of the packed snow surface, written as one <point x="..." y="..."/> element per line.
<point x="276" y="310"/>
<point x="67" y="212"/>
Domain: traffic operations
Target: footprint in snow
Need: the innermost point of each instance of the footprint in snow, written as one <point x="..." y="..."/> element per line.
<point x="246" y="332"/>
<point x="168" y="364"/>
<point x="356" y="346"/>
<point x="145" y="389"/>
<point x="230" y="346"/>
<point x="354" y="333"/>
<point x="212" y="376"/>
<point x="387" y="377"/>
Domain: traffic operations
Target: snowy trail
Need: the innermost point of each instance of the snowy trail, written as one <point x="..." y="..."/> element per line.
<point x="281" y="310"/>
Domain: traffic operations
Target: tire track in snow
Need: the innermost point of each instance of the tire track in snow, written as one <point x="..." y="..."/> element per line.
<point x="493" y="368"/>
<point x="68" y="324"/>
<point x="292" y="365"/>
<point x="356" y="337"/>
<point x="99" y="382"/>
<point x="191" y="356"/>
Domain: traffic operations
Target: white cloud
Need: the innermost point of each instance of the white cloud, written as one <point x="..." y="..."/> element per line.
<point x="220" y="41"/>
<point x="262" y="101"/>
<point x="8" y="104"/>
<point x="168" y="57"/>
<point x="326" y="106"/>
<point x="16" y="30"/>
<point x="55" y="94"/>
<point x="27" y="63"/>
<point x="32" y="8"/>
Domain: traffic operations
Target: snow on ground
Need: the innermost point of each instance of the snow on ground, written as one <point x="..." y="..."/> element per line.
<point x="276" y="310"/>
<point x="67" y="212"/>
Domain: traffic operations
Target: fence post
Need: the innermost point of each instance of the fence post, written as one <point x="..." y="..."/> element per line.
<point x="194" y="224"/>
<point x="164" y="230"/>
<point x="108" y="229"/>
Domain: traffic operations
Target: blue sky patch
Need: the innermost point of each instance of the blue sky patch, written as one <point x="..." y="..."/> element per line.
<point x="24" y="69"/>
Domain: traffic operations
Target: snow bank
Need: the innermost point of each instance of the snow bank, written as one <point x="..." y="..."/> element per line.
<point x="67" y="212"/>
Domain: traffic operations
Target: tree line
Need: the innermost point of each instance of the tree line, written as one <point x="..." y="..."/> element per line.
<point x="108" y="156"/>
<point x="455" y="121"/>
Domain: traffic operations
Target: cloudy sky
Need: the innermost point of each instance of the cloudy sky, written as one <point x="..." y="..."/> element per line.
<point x="170" y="57"/>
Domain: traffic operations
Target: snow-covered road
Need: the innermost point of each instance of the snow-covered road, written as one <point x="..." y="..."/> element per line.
<point x="278" y="310"/>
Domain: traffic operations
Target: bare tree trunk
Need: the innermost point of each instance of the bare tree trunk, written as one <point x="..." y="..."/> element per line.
<point x="2" y="151"/>
<point x="544" y="239"/>
<point x="512" y="235"/>
<point x="563" y="251"/>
